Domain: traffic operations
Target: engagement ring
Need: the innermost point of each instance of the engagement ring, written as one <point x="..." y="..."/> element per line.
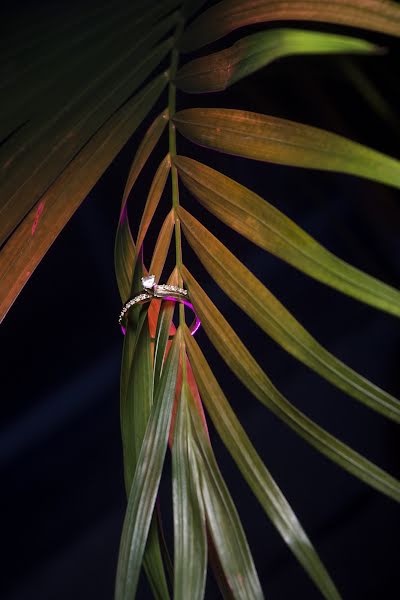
<point x="151" y="291"/>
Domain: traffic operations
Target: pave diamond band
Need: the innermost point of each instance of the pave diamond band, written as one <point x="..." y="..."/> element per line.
<point x="152" y="291"/>
<point x="161" y="289"/>
<point x="158" y="291"/>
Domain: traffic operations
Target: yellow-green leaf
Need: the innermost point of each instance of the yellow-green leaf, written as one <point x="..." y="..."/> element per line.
<point x="264" y="225"/>
<point x="136" y="397"/>
<point x="134" y="419"/>
<point x="153" y="198"/>
<point x="217" y="71"/>
<point x="190" y="540"/>
<point x="134" y="322"/>
<point x="255" y="472"/>
<point x="124" y="252"/>
<point x="245" y="367"/>
<point x="146" y="481"/>
<point x="163" y="331"/>
<point x="223" y="521"/>
<point x="279" y="141"/>
<point x="376" y="15"/>
<point x="272" y="317"/>
<point x="146" y="147"/>
<point x="162" y="246"/>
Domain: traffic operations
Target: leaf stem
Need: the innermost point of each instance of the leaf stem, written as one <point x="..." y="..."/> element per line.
<point x="172" y="152"/>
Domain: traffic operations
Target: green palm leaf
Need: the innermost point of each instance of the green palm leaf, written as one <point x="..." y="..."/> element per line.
<point x="269" y="314"/>
<point x="139" y="403"/>
<point x="163" y="331"/>
<point x="134" y="325"/>
<point x="190" y="540"/>
<point x="226" y="16"/>
<point x="162" y="245"/>
<point x="245" y="367"/>
<point x="153" y="198"/>
<point x="218" y="71"/>
<point x="283" y="142"/>
<point x="264" y="225"/>
<point x="82" y="84"/>
<point x="256" y="474"/>
<point x="223" y="520"/>
<point x="137" y="391"/>
<point x="124" y="252"/>
<point x="145" y="483"/>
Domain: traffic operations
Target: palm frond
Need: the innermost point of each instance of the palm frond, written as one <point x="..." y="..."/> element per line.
<point x="25" y="160"/>
<point x="65" y="128"/>
<point x="228" y="15"/>
<point x="272" y="317"/>
<point x="223" y="519"/>
<point x="256" y="474"/>
<point x="283" y="142"/>
<point x="189" y="512"/>
<point x="261" y="223"/>
<point x="143" y="492"/>
<point x="218" y="71"/>
<point x="124" y="252"/>
<point x="248" y="371"/>
<point x="153" y="198"/>
<point x="38" y="230"/>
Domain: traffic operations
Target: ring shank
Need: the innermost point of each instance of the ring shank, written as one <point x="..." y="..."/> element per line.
<point x="161" y="292"/>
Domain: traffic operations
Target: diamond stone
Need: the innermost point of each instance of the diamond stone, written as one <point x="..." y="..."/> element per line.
<point x="148" y="282"/>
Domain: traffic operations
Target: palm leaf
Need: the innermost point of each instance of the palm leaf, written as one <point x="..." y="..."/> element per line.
<point x="269" y="314"/>
<point x="382" y="16"/>
<point x="245" y="367"/>
<point x="189" y="515"/>
<point x="137" y="390"/>
<point x="264" y="225"/>
<point x="86" y="81"/>
<point x="163" y="330"/>
<point x="223" y="520"/>
<point x="23" y="32"/>
<point x="216" y="72"/>
<point x="153" y="198"/>
<point x="28" y="167"/>
<point x="279" y="141"/>
<point x="140" y="400"/>
<point x="124" y="252"/>
<point x="162" y="245"/>
<point x="137" y="403"/>
<point x="145" y="484"/>
<point x="48" y="79"/>
<point x="32" y="239"/>
<point x="135" y="320"/>
<point x="256" y="474"/>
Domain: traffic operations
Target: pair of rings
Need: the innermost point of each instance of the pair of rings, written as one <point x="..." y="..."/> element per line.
<point x="151" y="291"/>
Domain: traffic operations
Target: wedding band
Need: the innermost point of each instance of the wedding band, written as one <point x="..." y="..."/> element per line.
<point x="153" y="291"/>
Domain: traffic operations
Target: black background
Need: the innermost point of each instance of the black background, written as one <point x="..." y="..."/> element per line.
<point x="60" y="453"/>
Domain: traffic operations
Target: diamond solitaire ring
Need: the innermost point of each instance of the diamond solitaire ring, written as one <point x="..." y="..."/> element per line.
<point x="151" y="291"/>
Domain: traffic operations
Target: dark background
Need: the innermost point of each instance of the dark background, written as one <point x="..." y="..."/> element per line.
<point x="60" y="452"/>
